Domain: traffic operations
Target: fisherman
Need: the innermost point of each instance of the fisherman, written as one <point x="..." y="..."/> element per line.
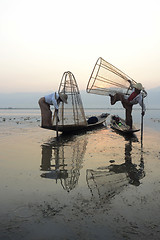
<point x="45" y="102"/>
<point x="129" y="100"/>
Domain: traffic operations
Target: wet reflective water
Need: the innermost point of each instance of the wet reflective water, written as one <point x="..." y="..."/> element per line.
<point x="86" y="186"/>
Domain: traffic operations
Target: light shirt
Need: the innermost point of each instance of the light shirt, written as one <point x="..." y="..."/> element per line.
<point x="51" y="99"/>
<point x="137" y="99"/>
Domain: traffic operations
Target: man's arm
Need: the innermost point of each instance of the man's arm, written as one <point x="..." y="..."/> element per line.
<point x="130" y="82"/>
<point x="54" y="101"/>
<point x="141" y="103"/>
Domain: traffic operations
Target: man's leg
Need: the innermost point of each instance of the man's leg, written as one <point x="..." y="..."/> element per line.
<point x="46" y="113"/>
<point x="117" y="97"/>
<point x="129" y="121"/>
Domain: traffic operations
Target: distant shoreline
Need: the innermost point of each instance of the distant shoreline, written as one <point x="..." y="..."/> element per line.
<point x="36" y="108"/>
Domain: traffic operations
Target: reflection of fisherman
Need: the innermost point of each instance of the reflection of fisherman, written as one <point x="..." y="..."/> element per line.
<point x="134" y="173"/>
<point x="46" y="157"/>
<point x="45" y="102"/>
<point x="47" y="166"/>
<point x="129" y="100"/>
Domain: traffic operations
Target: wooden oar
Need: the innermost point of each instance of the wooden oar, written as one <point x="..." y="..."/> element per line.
<point x="142" y="122"/>
<point x="56" y="112"/>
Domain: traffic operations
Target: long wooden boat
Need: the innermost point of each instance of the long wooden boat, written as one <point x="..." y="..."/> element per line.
<point x="119" y="125"/>
<point x="84" y="127"/>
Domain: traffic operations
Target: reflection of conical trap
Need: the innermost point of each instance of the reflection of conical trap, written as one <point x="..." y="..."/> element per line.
<point x="73" y="112"/>
<point x="105" y="184"/>
<point x="107" y="79"/>
<point x="62" y="160"/>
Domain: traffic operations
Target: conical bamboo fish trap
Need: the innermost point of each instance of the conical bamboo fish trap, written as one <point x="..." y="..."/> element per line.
<point x="71" y="113"/>
<point x="107" y="79"/>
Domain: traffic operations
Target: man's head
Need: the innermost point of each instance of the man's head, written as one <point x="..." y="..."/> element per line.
<point x="63" y="97"/>
<point x="138" y="86"/>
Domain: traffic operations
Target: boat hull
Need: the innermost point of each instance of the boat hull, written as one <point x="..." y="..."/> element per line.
<point x="119" y="125"/>
<point x="74" y="128"/>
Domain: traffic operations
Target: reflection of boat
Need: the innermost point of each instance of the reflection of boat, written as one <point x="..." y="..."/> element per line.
<point x="106" y="182"/>
<point x="71" y="115"/>
<point x="62" y="160"/>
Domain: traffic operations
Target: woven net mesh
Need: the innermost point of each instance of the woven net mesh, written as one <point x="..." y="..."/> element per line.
<point x="71" y="113"/>
<point x="105" y="184"/>
<point x="107" y="79"/>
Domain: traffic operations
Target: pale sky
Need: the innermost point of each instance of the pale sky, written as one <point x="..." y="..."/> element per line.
<point x="41" y="39"/>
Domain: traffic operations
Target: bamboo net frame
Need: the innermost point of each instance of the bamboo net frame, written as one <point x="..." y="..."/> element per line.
<point x="106" y="79"/>
<point x="71" y="113"/>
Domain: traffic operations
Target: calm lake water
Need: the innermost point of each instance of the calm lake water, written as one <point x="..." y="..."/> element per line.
<point x="98" y="185"/>
<point x="32" y="116"/>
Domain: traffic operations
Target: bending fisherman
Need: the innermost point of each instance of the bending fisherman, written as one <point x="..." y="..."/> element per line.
<point x="129" y="100"/>
<point x="45" y="102"/>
